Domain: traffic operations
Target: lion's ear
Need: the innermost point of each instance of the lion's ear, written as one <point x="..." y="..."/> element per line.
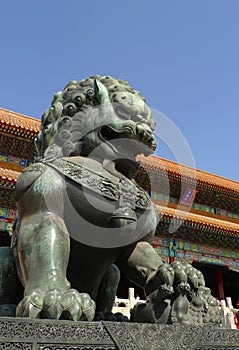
<point x="101" y="92"/>
<point x="96" y="87"/>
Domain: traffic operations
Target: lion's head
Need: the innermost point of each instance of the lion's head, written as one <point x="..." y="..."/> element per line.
<point x="97" y="111"/>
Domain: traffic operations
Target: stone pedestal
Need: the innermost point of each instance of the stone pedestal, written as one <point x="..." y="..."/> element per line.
<point x="26" y="334"/>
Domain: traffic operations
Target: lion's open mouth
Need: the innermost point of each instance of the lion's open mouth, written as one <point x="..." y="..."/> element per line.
<point x="128" y="139"/>
<point x="108" y="134"/>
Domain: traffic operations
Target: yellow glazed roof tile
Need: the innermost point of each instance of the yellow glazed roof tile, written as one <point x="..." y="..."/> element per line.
<point x="197" y="219"/>
<point x="19" y="120"/>
<point x="157" y="164"/>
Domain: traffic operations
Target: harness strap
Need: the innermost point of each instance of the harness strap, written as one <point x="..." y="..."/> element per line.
<point x="83" y="171"/>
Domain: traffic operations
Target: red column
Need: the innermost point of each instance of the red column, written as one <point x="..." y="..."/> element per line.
<point x="219" y="285"/>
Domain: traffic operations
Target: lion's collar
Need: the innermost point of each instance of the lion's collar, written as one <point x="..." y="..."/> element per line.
<point x="90" y="174"/>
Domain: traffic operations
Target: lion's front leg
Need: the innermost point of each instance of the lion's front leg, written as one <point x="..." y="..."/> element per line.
<point x="43" y="250"/>
<point x="142" y="265"/>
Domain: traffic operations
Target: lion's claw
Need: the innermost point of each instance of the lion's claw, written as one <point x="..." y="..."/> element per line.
<point x="79" y="305"/>
<point x="86" y="307"/>
<point x="55" y="304"/>
<point x="30" y="306"/>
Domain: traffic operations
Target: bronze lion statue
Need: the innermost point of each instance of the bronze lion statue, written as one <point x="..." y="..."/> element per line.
<point x="82" y="219"/>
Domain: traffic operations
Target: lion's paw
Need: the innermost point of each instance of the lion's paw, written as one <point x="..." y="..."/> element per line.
<point x="55" y="304"/>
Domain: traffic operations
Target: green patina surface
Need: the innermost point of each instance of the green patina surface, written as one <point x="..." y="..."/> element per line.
<point x="82" y="220"/>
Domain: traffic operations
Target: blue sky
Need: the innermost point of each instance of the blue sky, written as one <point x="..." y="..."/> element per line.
<point x="183" y="55"/>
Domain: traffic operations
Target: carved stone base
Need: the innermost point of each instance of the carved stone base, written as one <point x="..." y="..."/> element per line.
<point x="27" y="334"/>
